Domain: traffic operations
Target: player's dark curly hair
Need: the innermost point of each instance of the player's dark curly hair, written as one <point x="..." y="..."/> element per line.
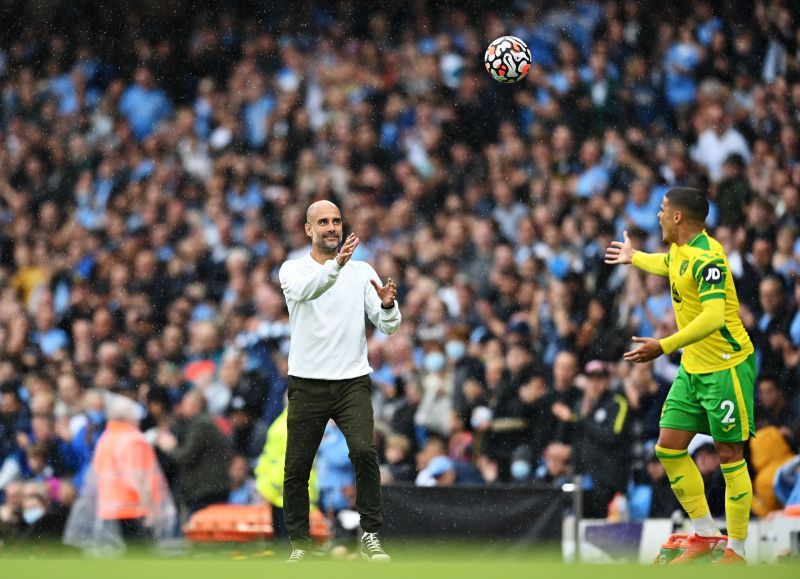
<point x="692" y="202"/>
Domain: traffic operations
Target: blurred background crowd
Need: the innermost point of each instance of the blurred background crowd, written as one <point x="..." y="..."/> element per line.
<point x="156" y="166"/>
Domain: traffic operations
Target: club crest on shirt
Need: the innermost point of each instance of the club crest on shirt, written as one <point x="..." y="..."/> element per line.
<point x="684" y="265"/>
<point x="677" y="300"/>
<point x="676" y="297"/>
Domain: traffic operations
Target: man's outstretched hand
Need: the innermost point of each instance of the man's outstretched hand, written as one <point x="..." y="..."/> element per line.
<point x="620" y="252"/>
<point x="387" y="293"/>
<point x="348" y="247"/>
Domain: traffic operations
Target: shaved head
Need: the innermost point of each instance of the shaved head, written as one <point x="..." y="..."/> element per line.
<point x="324" y="227"/>
<point x="318" y="206"/>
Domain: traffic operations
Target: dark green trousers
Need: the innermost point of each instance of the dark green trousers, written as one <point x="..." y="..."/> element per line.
<point x="311" y="404"/>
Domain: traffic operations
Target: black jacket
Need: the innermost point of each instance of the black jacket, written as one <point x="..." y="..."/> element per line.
<point x="602" y="444"/>
<point x="202" y="459"/>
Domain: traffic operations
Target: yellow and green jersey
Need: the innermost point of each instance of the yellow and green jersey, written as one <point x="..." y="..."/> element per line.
<point x="698" y="274"/>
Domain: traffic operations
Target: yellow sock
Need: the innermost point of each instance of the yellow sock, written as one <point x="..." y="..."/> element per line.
<point x="738" y="498"/>
<point x="685" y="480"/>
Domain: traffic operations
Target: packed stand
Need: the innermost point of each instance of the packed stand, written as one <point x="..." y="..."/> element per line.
<point x="151" y="186"/>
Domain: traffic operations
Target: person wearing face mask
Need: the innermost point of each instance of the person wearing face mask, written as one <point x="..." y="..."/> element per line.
<point x="521" y="469"/>
<point x="433" y="414"/>
<point x="466" y="368"/>
<point x="510" y="427"/>
<point x="41" y="520"/>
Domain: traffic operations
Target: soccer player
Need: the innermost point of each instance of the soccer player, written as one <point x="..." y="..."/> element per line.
<point x="713" y="391"/>
<point x="329" y="295"/>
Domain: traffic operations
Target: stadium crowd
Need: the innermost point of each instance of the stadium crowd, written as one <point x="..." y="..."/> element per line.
<point x="154" y="176"/>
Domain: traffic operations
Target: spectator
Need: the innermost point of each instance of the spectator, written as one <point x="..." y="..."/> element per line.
<point x="126" y="496"/>
<point x="14" y="420"/>
<point x="41" y="518"/>
<point x="787" y="482"/>
<point x="398" y="467"/>
<point x="11" y="511"/>
<point x="773" y="409"/>
<point x="521" y="469"/>
<point x="555" y="468"/>
<point x="509" y="427"/>
<point x="51" y="455"/>
<point x="772" y="328"/>
<point x="601" y="446"/>
<point x="435" y="468"/>
<point x="565" y="390"/>
<point x="646" y="395"/>
<point x="716" y="141"/>
<point x="199" y="453"/>
<point x="144" y="105"/>
<point x="433" y="414"/>
<point x="242" y="484"/>
<point x="733" y="192"/>
<point x="769" y="451"/>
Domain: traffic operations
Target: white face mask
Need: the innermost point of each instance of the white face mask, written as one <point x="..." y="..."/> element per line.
<point x="30" y="516"/>
<point x="520" y="469"/>
<point x="435" y="362"/>
<point x="455" y="350"/>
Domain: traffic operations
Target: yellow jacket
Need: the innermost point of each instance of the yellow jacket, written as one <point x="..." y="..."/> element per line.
<point x="768" y="451"/>
<point x="269" y="470"/>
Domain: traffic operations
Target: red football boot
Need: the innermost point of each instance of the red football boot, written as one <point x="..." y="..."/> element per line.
<point x="698" y="549"/>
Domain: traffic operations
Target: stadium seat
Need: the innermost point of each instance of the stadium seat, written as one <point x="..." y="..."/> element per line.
<point x="244" y="523"/>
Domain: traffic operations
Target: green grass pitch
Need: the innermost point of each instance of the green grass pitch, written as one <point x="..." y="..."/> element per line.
<point x="463" y="561"/>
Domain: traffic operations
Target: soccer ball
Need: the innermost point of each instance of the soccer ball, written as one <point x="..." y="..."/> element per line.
<point x="507" y="59"/>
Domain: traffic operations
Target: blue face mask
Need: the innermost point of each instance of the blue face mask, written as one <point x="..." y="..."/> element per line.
<point x="520" y="469"/>
<point x="96" y="417"/>
<point x="30" y="516"/>
<point x="455" y="350"/>
<point x="435" y="362"/>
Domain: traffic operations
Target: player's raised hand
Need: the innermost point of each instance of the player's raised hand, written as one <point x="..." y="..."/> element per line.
<point x="387" y="293"/>
<point x="650" y="349"/>
<point x="620" y="252"/>
<point x="348" y="247"/>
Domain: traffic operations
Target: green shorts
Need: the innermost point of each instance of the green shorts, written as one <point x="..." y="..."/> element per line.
<point x="718" y="403"/>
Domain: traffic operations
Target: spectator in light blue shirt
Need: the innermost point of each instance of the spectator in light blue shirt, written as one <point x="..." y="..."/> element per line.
<point x="47" y="336"/>
<point x="641" y="209"/>
<point x="679" y="66"/>
<point x="594" y="178"/>
<point x="144" y="105"/>
<point x="255" y="114"/>
<point x="657" y="305"/>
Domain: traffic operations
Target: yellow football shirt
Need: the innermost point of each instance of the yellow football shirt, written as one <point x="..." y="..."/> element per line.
<point x="698" y="271"/>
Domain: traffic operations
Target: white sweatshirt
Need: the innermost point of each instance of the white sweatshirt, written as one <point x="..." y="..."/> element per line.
<point x="327" y="304"/>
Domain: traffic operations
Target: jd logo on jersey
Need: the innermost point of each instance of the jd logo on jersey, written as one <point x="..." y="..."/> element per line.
<point x="712" y="274"/>
<point x="684" y="265"/>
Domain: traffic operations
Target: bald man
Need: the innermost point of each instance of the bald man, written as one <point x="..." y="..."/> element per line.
<point x="328" y="295"/>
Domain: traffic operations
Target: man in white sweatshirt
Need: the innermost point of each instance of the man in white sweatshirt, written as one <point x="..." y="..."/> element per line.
<point x="328" y="296"/>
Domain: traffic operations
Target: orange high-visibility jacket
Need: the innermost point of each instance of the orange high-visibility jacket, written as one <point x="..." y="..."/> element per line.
<point x="127" y="473"/>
